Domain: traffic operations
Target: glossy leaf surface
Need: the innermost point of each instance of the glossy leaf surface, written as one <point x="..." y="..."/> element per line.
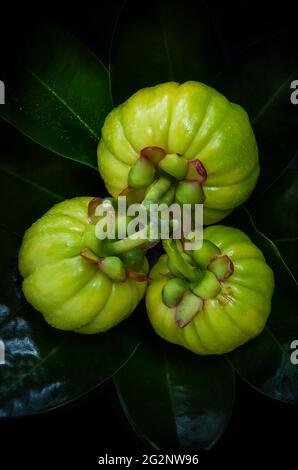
<point x="174" y="398"/>
<point x="58" y="95"/>
<point x="280" y="223"/>
<point x="260" y="80"/>
<point x="266" y="362"/>
<point x="162" y="41"/>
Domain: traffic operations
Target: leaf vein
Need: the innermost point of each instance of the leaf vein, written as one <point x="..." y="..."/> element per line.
<point x="70" y="109"/>
<point x="274" y="247"/>
<point x="31" y="183"/>
<point x="272" y="98"/>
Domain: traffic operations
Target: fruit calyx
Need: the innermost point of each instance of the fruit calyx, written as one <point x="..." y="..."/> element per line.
<point x="158" y="171"/>
<point x="112" y="266"/>
<point x="113" y="246"/>
<point x="179" y="262"/>
<point x="197" y="277"/>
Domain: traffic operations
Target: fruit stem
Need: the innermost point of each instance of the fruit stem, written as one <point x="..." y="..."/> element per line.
<point x="157" y="190"/>
<point x="181" y="265"/>
<point x="132" y="241"/>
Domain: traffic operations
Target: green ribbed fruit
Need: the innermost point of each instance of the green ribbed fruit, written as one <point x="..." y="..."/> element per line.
<point x="194" y="122"/>
<point x="229" y="311"/>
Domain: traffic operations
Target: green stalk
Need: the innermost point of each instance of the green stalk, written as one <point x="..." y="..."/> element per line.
<point x="185" y="268"/>
<point x="157" y="190"/>
<point x="120" y="246"/>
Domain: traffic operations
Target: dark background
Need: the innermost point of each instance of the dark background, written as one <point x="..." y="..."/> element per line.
<point x="95" y="424"/>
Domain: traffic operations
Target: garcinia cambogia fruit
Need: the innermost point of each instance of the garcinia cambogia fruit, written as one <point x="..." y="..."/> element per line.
<point x="224" y="307"/>
<point x="180" y="143"/>
<point x="75" y="280"/>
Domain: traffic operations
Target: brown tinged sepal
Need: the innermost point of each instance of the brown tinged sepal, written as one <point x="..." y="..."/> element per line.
<point x="96" y="201"/>
<point x="196" y="171"/>
<point x="136" y="276"/>
<point x="190" y="306"/>
<point x="153" y="154"/>
<point x="222" y="266"/>
<point x="89" y="256"/>
<point x="133" y="195"/>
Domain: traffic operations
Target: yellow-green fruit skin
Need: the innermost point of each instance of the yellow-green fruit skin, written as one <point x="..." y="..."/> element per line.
<point x="70" y="292"/>
<point x="195" y="121"/>
<point x="236" y="315"/>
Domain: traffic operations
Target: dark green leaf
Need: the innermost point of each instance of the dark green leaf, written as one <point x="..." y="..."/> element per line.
<point x="288" y="248"/>
<point x="174" y="398"/>
<point x="259" y="80"/>
<point x="276" y="215"/>
<point x="161" y="41"/>
<point x="44" y="367"/>
<point x="33" y="179"/>
<point x="58" y="95"/>
<point x="265" y="363"/>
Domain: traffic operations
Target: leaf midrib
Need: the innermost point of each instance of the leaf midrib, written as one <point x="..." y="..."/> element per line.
<point x="272" y="98"/>
<point x="31" y="183"/>
<point x="91" y="131"/>
<point x="274" y="247"/>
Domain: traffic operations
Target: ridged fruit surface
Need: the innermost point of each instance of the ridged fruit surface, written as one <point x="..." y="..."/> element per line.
<point x="71" y="292"/>
<point x="234" y="294"/>
<point x="192" y="121"/>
